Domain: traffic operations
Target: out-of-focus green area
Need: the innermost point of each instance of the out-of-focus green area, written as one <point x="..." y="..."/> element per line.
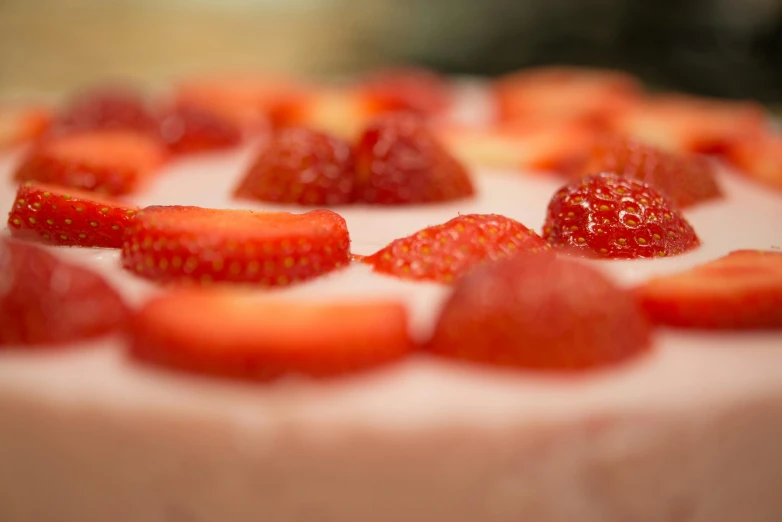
<point x="717" y="47"/>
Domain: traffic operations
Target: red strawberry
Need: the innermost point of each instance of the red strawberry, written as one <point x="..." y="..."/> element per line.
<point x="399" y="161"/>
<point x="232" y="334"/>
<point x="742" y="290"/>
<point x="557" y="93"/>
<point x="47" y="301"/>
<point x="606" y="215"/>
<point x="204" y="245"/>
<point x="301" y="166"/>
<point x="22" y="124"/>
<point x="407" y="89"/>
<point x="685" y="179"/>
<point x="106" y="108"/>
<point x="187" y="130"/>
<point x="58" y="216"/>
<point x="111" y="162"/>
<point x="444" y="252"/>
<point x="539" y="313"/>
<point x="760" y="159"/>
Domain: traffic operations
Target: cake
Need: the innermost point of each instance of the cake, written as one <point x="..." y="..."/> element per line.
<point x="684" y="430"/>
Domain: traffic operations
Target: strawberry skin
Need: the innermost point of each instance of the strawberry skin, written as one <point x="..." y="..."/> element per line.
<point x="399" y="161"/>
<point x="444" y="252"/>
<point x="301" y="166"/>
<point x="742" y="290"/>
<point x="232" y="334"/>
<point x="685" y="179"/>
<point x="610" y="216"/>
<point x="57" y="216"/>
<point x="36" y="307"/>
<point x="109" y="162"/>
<point x="540" y="313"/>
<point x="192" y="244"/>
<point x="187" y="130"/>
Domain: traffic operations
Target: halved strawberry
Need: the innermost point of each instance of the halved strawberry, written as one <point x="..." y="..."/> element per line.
<point x="407" y="89"/>
<point x="686" y="179"/>
<point x="110" y="107"/>
<point x="760" y="159"/>
<point x="205" y="245"/>
<point x="110" y="162"/>
<point x="742" y="290"/>
<point x="301" y="166"/>
<point x="610" y="216"/>
<point x="444" y="252"/>
<point x="22" y="124"/>
<point x="232" y="334"/>
<point x="45" y="300"/>
<point x="399" y="161"/>
<point x="690" y="124"/>
<point x="186" y="130"/>
<point x="553" y="147"/>
<point x="539" y="313"/>
<point x="59" y="216"/>
<point x="565" y="93"/>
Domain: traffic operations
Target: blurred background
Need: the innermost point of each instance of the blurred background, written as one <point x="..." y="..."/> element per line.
<point x="728" y="48"/>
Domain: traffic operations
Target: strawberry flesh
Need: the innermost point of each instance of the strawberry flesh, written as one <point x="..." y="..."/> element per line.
<point x="192" y="244"/>
<point x="46" y="301"/>
<point x="742" y="290"/>
<point x="610" y="216"/>
<point x="235" y="335"/>
<point x="22" y="124"/>
<point x="301" y="166"/>
<point x="445" y="252"/>
<point x="187" y="130"/>
<point x="399" y="161"/>
<point x="540" y="313"/>
<point x="407" y="89"/>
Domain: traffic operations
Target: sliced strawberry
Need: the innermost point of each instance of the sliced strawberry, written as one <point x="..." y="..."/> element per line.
<point x="110" y="162"/>
<point x="553" y="147"/>
<point x="686" y="179"/>
<point x="204" y="245"/>
<point x="58" y="216"/>
<point x="557" y="93"/>
<point x="539" y="313"/>
<point x="407" y="89"/>
<point x="760" y="159"/>
<point x="22" y="124"/>
<point x="610" y="216"/>
<point x="106" y="108"/>
<point x="187" y="130"/>
<point x="232" y="334"/>
<point x="45" y="300"/>
<point x="301" y="166"/>
<point x="399" y="161"/>
<point x="742" y="290"/>
<point x="444" y="252"/>
<point x="690" y="124"/>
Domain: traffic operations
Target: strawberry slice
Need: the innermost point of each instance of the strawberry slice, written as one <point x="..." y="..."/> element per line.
<point x="204" y="245"/>
<point x="742" y="290"/>
<point x="444" y="252"/>
<point x="301" y="166"/>
<point x="407" y="89"/>
<point x="22" y="124"/>
<point x="47" y="301"/>
<point x="399" y="161"/>
<point x="187" y="130"/>
<point x="236" y="335"/>
<point x="552" y="147"/>
<point x="610" y="216"/>
<point x="685" y="179"/>
<point x="690" y="124"/>
<point x="540" y="313"/>
<point x="111" y="162"/>
<point x="759" y="159"/>
<point x="111" y="107"/>
<point x="565" y="93"/>
<point x="51" y="214"/>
